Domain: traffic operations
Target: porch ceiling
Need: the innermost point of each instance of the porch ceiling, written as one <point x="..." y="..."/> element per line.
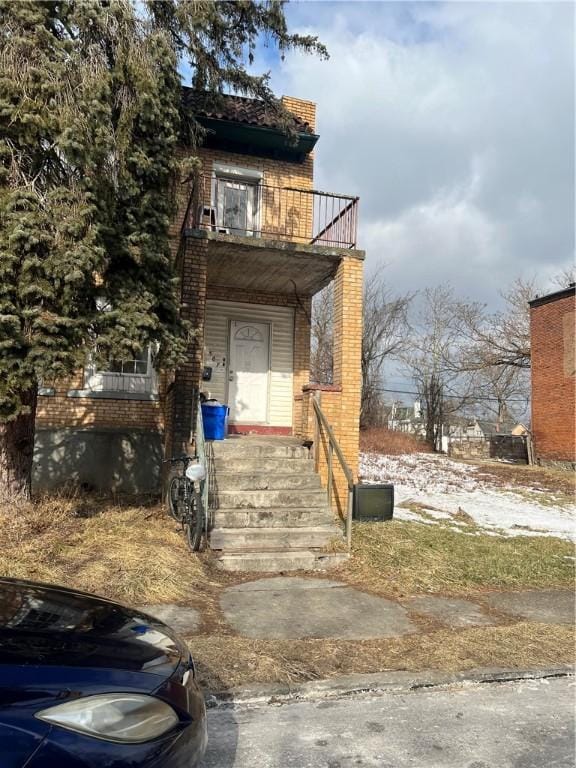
<point x="272" y="266"/>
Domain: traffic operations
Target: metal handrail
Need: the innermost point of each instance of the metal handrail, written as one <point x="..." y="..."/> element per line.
<point x="334" y="448"/>
<point x="283" y="212"/>
<point x="344" y="211"/>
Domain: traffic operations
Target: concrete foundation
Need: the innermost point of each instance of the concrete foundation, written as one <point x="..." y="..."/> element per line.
<point x="122" y="461"/>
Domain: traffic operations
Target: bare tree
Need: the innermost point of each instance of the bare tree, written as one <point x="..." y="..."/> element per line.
<point x="565" y="278"/>
<point x="431" y="361"/>
<point x="461" y="354"/>
<point x="321" y="353"/>
<point x="495" y="349"/>
<point x="385" y="334"/>
<point x="502" y="339"/>
<point x="501" y="392"/>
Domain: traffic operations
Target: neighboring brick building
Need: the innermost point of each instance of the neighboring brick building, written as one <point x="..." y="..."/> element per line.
<point x="253" y="243"/>
<point x="552" y="323"/>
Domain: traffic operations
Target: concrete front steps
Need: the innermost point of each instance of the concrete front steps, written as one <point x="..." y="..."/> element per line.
<point x="269" y="511"/>
<point x="272" y="539"/>
<point x="268" y="480"/>
<point x="281" y="561"/>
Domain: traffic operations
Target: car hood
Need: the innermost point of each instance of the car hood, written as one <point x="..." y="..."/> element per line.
<point x="41" y="625"/>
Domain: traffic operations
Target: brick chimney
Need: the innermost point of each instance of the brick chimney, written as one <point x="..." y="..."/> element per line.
<point x="305" y="110"/>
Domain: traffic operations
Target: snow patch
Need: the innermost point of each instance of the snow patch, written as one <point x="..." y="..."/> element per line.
<point x="442" y="488"/>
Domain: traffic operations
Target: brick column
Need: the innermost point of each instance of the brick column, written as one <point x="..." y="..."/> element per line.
<point x="347" y="354"/>
<point x="180" y="400"/>
<point x="301" y="375"/>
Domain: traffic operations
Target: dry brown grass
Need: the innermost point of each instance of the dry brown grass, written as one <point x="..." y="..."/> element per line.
<point x="399" y="559"/>
<point x="130" y="552"/>
<point x="225" y="662"/>
<point x="404" y="558"/>
<point x="134" y="553"/>
<point x="383" y="440"/>
<point x="522" y="476"/>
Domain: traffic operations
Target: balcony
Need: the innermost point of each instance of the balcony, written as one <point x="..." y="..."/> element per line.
<point x="248" y="208"/>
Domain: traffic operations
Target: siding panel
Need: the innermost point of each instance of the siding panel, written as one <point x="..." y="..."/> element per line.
<point x="281" y="319"/>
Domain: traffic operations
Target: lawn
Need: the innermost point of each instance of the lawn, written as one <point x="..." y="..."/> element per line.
<point x="502" y="500"/>
<point x="395" y="560"/>
<point x="129" y="550"/>
<point x="126" y="550"/>
<point x="405" y="558"/>
<point x="226" y="661"/>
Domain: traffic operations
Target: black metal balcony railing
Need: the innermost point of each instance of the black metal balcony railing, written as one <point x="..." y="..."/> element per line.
<point x="247" y="208"/>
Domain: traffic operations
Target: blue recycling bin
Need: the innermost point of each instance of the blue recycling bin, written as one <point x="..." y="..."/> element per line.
<point x="215" y="419"/>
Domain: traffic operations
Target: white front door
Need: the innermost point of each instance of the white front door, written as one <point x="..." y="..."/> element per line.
<point x="248" y="372"/>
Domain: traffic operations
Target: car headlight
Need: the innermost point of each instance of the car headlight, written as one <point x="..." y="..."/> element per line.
<point x="123" y="717"/>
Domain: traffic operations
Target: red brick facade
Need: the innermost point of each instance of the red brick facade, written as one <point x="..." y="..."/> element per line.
<point x="552" y="323"/>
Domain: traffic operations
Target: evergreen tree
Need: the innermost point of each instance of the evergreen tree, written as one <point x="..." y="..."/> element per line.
<point x="90" y="119"/>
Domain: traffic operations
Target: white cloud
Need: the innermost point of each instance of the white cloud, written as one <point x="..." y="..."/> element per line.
<point x="454" y="123"/>
<point x="445" y="239"/>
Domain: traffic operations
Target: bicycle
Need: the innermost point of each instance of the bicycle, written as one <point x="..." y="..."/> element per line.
<point x="185" y="500"/>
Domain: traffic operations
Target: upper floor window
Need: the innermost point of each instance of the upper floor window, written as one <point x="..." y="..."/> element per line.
<point x="237" y="200"/>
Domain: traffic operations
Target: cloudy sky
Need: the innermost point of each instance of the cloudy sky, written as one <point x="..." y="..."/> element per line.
<point x="454" y="122"/>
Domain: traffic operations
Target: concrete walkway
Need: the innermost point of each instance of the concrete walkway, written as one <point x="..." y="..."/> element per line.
<point x="297" y="607"/>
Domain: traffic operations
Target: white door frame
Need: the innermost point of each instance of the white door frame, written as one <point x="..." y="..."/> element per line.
<point x="228" y="359"/>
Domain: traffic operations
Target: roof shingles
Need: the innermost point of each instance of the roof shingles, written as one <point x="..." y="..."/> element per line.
<point x="238" y="109"/>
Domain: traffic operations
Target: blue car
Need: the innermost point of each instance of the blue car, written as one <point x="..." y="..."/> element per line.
<point x="86" y="682"/>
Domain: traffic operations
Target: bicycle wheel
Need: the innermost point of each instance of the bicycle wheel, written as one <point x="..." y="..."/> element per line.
<point x="194" y="521"/>
<point x="175" y="499"/>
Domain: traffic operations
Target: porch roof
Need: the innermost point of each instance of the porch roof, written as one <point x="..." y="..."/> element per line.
<point x="270" y="266"/>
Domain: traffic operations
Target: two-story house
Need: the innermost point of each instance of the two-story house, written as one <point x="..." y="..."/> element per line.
<point x="253" y="242"/>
